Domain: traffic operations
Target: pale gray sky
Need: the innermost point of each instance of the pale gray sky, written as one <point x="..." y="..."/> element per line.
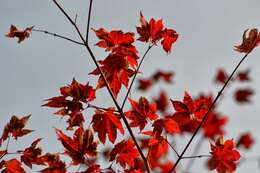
<point x="34" y="70"/>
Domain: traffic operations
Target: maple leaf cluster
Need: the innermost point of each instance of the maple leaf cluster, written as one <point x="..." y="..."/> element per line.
<point x="156" y="123"/>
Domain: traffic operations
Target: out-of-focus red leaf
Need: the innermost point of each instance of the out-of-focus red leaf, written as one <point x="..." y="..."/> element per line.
<point x="224" y="156"/>
<point x="249" y="42"/>
<point x="92" y="169"/>
<point x="15" y="127"/>
<point x="168" y="124"/>
<point x="107" y="122"/>
<point x="221" y="76"/>
<point x="213" y="125"/>
<point x="162" y="101"/>
<point x="82" y="144"/>
<point x="140" y="111"/>
<point x="244" y="75"/>
<point x="163" y="75"/>
<point x="169" y="37"/>
<point x="124" y="153"/>
<point x="243" y="95"/>
<point x="245" y="140"/>
<point x="144" y="84"/>
<point x="20" y="34"/>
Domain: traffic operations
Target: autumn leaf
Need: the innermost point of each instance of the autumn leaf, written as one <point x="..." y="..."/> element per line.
<point x="107" y="123"/>
<point x="214" y="124"/>
<point x="117" y="71"/>
<point x="165" y="76"/>
<point x="221" y="76"/>
<point x="31" y="154"/>
<point x="243" y="95"/>
<point x="144" y="84"/>
<point x="154" y="30"/>
<point x="224" y="156"/>
<point x="243" y="75"/>
<point x="55" y="165"/>
<point x="92" y="169"/>
<point x="20" y="34"/>
<point x="249" y="42"/>
<point x="140" y="111"/>
<point x="124" y="153"/>
<point x="13" y="166"/>
<point x="162" y="101"/>
<point x="82" y="144"/>
<point x="15" y="127"/>
<point x="167" y="124"/>
<point x="245" y="140"/>
<point x="71" y="102"/>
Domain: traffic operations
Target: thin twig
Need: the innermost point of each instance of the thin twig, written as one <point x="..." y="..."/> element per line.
<point x="98" y="107"/>
<point x="57" y="35"/>
<point x="137" y="70"/>
<point x="194" y="157"/>
<point x="207" y="113"/>
<point x="195" y="152"/>
<point x="106" y="84"/>
<point x="89" y="16"/>
<point x="173" y="148"/>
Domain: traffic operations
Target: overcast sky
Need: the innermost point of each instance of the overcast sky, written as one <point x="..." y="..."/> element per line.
<point x="34" y="70"/>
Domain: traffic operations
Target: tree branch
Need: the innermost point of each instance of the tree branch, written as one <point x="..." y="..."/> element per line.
<point x="107" y="85"/>
<point x="207" y="113"/>
<point x="89" y="16"/>
<point x="57" y="35"/>
<point x="137" y="70"/>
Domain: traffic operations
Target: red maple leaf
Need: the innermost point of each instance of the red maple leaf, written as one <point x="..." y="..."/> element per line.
<point x="117" y="71"/>
<point x="154" y="31"/>
<point x="245" y="140"/>
<point x="82" y="144"/>
<point x="31" y="154"/>
<point x="168" y="124"/>
<point x="124" y="153"/>
<point x="13" y="166"/>
<point x="15" y="127"/>
<point x="55" y="165"/>
<point x="249" y="42"/>
<point x="71" y="102"/>
<point x="189" y="112"/>
<point x="157" y="147"/>
<point x="107" y="122"/>
<point x="224" y="156"/>
<point x="169" y="37"/>
<point x="20" y="34"/>
<point x="92" y="169"/>
<point x="140" y="111"/>
<point x="243" y="95"/>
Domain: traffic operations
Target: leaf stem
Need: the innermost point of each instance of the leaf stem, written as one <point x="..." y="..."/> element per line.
<point x="207" y="113"/>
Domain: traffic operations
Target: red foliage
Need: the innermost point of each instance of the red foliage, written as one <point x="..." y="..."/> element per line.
<point x="12" y="166"/>
<point x="245" y="140"/>
<point x="15" y="127"/>
<point x="249" y="42"/>
<point x="82" y="144"/>
<point x="107" y="122"/>
<point x="124" y="153"/>
<point x="140" y="111"/>
<point x="224" y="156"/>
<point x="243" y="95"/>
<point x="20" y="34"/>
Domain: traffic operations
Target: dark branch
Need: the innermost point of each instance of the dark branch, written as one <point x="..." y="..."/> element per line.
<point x="57" y="35"/>
<point x="89" y="17"/>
